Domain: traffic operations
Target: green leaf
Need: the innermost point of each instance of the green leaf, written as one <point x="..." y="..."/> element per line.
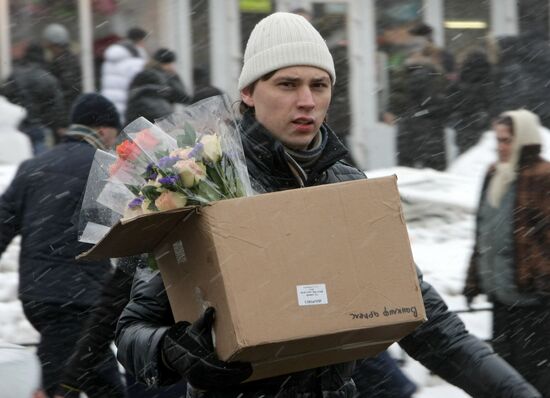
<point x="152" y="206"/>
<point x="151" y="262"/>
<point x="134" y="189"/>
<point x="190" y="133"/>
<point x="162" y="153"/>
<point x="214" y="176"/>
<point x="208" y="192"/>
<point x="188" y="137"/>
<point x="150" y="192"/>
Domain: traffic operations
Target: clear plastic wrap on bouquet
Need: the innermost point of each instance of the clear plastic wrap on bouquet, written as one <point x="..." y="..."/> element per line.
<point x="190" y="158"/>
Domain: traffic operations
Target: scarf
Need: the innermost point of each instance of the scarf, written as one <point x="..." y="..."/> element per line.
<point x="85" y="133"/>
<point x="300" y="162"/>
<point x="526" y="132"/>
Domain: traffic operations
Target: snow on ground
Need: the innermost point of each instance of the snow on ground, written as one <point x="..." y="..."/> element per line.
<point x="439" y="208"/>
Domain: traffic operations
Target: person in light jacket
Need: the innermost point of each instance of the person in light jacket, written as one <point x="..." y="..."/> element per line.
<point x="122" y="62"/>
<point x="16" y="146"/>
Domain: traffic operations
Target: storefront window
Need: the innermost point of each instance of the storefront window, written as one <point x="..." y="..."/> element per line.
<point x="466" y="26"/>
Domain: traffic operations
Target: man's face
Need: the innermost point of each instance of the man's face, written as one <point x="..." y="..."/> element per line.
<point x="504" y="142"/>
<point x="292" y="103"/>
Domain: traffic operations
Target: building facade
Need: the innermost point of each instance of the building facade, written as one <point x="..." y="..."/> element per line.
<point x="209" y="36"/>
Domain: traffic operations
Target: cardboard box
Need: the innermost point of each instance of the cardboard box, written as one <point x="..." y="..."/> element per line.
<point x="299" y="278"/>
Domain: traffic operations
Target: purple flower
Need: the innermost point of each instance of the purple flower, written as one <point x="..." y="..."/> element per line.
<point x="167" y="161"/>
<point x="197" y="151"/>
<point x="136" y="202"/>
<point x="168" y="180"/>
<point x="150" y="173"/>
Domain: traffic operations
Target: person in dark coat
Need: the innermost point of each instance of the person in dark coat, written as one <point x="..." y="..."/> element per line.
<point x="521" y="75"/>
<point x="64" y="64"/>
<point x="285" y="93"/>
<point x="472" y="100"/>
<point x="418" y="101"/>
<point x="40" y="204"/>
<point x="38" y="91"/>
<point x="511" y="258"/>
<point x="203" y="88"/>
<point x="97" y="336"/>
<point x="154" y="91"/>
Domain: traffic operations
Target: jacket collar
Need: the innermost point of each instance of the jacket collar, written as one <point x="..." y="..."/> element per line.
<point x="268" y="154"/>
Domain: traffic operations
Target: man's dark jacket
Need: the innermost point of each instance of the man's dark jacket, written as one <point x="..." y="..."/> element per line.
<point x="38" y="91"/>
<point x="66" y="68"/>
<point x="442" y="343"/>
<point x="40" y="204"/>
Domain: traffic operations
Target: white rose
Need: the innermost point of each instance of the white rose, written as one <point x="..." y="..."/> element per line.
<point x="212" y="149"/>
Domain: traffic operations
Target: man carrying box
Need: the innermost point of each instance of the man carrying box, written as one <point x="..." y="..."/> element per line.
<point x="286" y="86"/>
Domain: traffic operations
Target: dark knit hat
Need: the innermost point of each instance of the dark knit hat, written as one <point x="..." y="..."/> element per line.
<point x="94" y="110"/>
<point x="136" y="34"/>
<point x="421" y="29"/>
<point x="164" y="56"/>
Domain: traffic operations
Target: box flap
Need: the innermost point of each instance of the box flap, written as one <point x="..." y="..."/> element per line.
<point x="137" y="235"/>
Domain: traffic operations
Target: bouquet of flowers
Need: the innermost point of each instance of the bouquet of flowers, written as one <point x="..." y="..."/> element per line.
<point x="191" y="158"/>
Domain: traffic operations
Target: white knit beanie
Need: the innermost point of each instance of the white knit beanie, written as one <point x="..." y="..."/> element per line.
<point x="281" y="40"/>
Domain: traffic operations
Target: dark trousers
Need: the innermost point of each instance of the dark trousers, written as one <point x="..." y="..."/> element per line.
<point x="59" y="328"/>
<point x="521" y="335"/>
<point x="380" y="377"/>
<point x="421" y="143"/>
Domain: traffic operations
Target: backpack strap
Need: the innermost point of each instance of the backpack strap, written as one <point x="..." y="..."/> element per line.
<point x="131" y="48"/>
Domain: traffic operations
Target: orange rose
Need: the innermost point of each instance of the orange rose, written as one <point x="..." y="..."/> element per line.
<point x="146" y="140"/>
<point x="127" y="150"/>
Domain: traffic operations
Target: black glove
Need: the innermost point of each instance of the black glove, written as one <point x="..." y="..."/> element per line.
<point x="188" y="349"/>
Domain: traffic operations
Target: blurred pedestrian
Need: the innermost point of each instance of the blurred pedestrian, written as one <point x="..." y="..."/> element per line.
<point x="122" y="62"/>
<point x="418" y="105"/>
<point x="16" y="146"/>
<point x="203" y="88"/>
<point x="511" y="259"/>
<point x="445" y="58"/>
<point x="97" y="337"/>
<point x="34" y="88"/>
<point x="471" y="99"/>
<point x="41" y="204"/>
<point x="64" y="64"/>
<point x="521" y="75"/>
<point x="154" y="90"/>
